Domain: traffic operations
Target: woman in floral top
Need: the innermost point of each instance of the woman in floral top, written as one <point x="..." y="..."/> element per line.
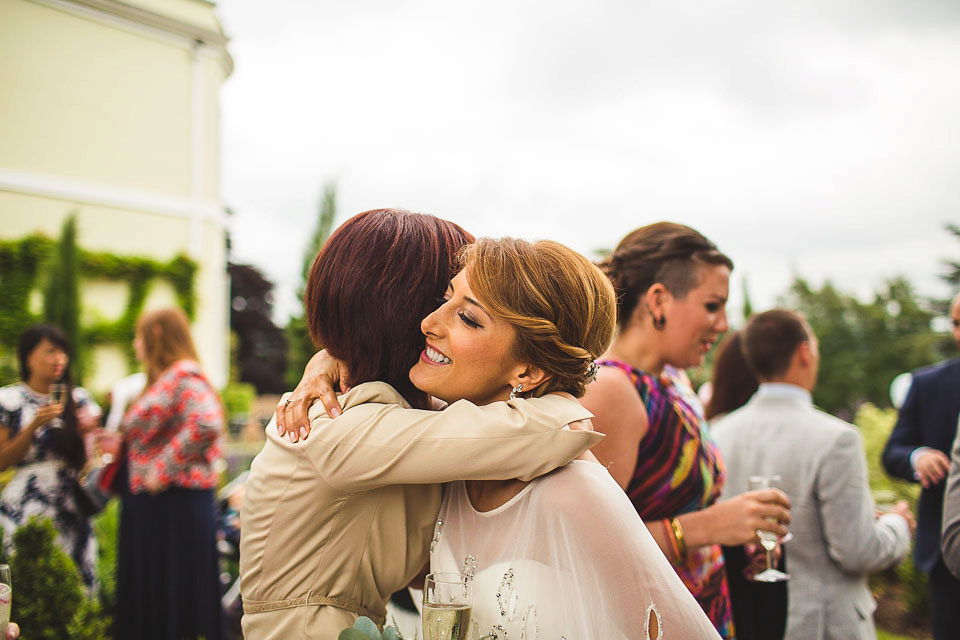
<point x="167" y="573"/>
<point x="44" y="443"/>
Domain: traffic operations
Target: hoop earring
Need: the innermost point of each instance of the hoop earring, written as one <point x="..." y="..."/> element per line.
<point x="517" y="389"/>
<point x="658" y="323"/>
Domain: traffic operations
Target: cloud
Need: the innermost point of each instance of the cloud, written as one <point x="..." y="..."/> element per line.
<point x="802" y="137"/>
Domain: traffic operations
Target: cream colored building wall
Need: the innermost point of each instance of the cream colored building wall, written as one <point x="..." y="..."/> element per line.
<point x="110" y="110"/>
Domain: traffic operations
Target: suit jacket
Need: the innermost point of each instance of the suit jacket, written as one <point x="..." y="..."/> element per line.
<point x="836" y="539"/>
<point x="928" y="418"/>
<point x="950" y="540"/>
<point x="334" y="524"/>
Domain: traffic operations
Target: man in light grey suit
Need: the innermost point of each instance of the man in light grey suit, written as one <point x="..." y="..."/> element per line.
<point x="950" y="540"/>
<point x="837" y="538"/>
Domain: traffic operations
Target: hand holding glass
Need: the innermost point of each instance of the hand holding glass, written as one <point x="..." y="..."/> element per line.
<point x="768" y="539"/>
<point x="108" y="444"/>
<point x="6" y="597"/>
<point x="58" y="395"/>
<point x="447" y="607"/>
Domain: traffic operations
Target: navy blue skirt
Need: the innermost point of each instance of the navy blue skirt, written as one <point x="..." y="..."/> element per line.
<point x="168" y="585"/>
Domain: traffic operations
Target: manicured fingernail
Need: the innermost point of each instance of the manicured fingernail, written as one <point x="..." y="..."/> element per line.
<point x="303" y="432"/>
<point x="292" y="437"/>
<point x="335" y="413"/>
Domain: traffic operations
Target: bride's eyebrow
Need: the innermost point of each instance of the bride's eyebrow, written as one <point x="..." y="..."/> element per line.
<point x="470" y="300"/>
<point x="474" y="303"/>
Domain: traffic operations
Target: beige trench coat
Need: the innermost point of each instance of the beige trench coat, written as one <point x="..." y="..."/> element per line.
<point x="334" y="524"/>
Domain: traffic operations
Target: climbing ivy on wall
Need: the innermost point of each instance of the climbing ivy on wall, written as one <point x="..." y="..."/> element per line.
<point x="22" y="264"/>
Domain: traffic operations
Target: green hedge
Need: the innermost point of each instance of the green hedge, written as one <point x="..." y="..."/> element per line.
<point x="23" y="265"/>
<point x="49" y="600"/>
<point x="905" y="583"/>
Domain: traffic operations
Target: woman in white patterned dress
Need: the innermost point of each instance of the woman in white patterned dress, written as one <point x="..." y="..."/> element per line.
<point x="44" y="443"/>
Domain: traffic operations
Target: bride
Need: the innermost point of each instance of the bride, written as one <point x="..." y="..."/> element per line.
<point x="565" y="555"/>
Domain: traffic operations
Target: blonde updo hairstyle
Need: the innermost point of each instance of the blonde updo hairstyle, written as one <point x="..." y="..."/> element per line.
<point x="561" y="305"/>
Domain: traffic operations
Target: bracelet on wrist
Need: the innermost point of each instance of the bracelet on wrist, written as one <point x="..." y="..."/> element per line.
<point x="676" y="539"/>
<point x="681" y="541"/>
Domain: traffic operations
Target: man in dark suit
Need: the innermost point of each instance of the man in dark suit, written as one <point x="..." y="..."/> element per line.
<point x="919" y="450"/>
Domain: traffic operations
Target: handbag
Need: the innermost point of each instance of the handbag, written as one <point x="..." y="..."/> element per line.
<point x="95" y="487"/>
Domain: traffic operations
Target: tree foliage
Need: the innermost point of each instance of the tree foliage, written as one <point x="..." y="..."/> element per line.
<point x="747" y="309"/>
<point x="25" y="267"/>
<point x="261" y="346"/>
<point x="952" y="274"/>
<point x="299" y="345"/>
<point x="61" y="296"/>
<point x="863" y="346"/>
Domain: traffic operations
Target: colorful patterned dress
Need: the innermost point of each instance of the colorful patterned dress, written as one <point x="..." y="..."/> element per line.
<point x="679" y="469"/>
<point x="44" y="485"/>
<point x="167" y="573"/>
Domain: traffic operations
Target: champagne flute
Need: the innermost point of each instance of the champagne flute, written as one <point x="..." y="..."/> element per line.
<point x="58" y="397"/>
<point x="768" y="539"/>
<point x="447" y="607"/>
<point x="6" y="597"/>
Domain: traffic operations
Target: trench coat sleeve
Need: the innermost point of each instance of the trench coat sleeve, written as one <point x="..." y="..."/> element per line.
<point x="382" y="443"/>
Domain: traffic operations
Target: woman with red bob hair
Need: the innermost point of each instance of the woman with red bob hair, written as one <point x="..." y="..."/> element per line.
<point x="335" y="523"/>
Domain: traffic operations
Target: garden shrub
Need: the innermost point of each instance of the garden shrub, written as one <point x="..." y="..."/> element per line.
<point x="47" y="589"/>
<point x="910" y="584"/>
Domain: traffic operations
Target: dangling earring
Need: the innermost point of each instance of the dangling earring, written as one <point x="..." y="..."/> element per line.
<point x="658" y="323"/>
<point x="517" y="389"/>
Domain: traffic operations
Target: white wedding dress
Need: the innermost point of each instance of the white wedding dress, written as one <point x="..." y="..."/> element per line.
<point x="568" y="557"/>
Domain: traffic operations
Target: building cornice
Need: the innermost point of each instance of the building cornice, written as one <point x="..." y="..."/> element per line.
<point x="144" y="18"/>
<point x="48" y="186"/>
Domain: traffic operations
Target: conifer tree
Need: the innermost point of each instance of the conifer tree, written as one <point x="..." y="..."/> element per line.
<point x="747" y="303"/>
<point x="952" y="276"/>
<point x="61" y="297"/>
<point x="300" y="346"/>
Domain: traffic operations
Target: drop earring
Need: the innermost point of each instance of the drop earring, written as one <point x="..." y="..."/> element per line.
<point x="658" y="322"/>
<point x="516" y="390"/>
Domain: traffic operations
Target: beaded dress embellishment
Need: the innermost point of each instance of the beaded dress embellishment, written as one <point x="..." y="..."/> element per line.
<point x="469" y="568"/>
<point x="437" y="530"/>
<point x="507" y="598"/>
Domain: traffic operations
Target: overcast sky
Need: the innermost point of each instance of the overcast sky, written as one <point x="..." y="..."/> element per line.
<point x="818" y="138"/>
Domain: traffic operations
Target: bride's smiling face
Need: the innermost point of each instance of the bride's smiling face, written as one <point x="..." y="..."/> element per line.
<point x="469" y="353"/>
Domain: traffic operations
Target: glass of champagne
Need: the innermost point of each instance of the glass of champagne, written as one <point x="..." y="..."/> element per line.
<point x="447" y="607"/>
<point x="768" y="539"/>
<point x="6" y="597"/>
<point x="58" y="397"/>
